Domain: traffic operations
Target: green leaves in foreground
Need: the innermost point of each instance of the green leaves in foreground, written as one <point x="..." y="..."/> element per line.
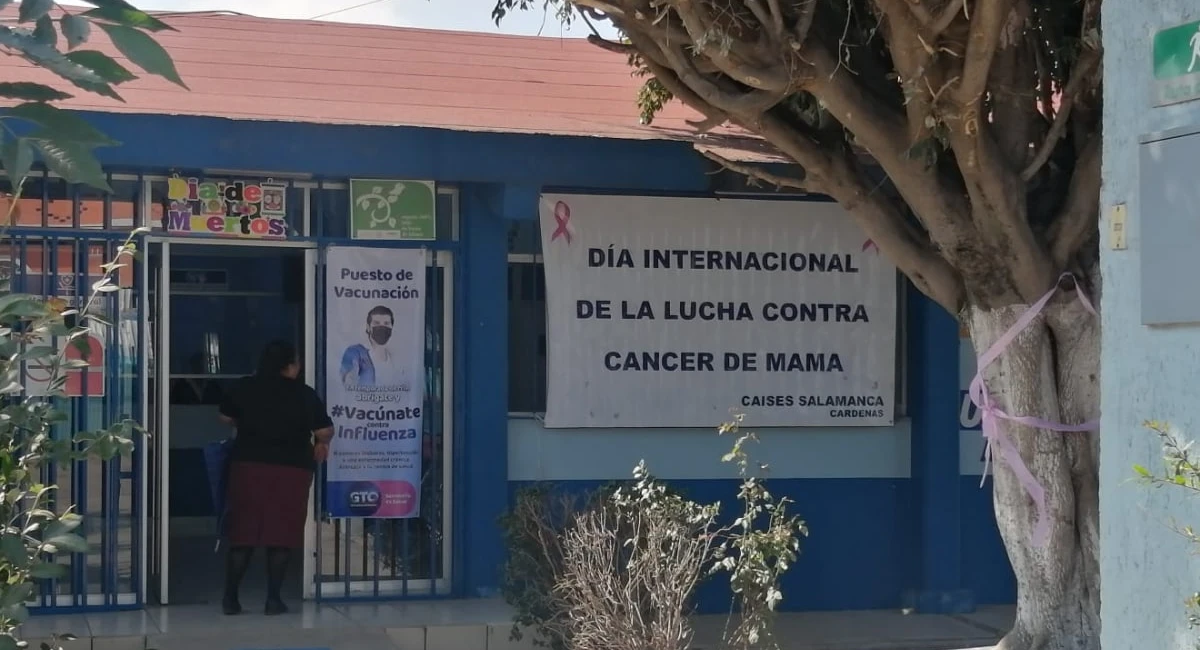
<point x="36" y="130"/>
<point x="64" y="141"/>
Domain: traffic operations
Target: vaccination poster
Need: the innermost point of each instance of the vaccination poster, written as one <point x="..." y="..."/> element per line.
<point x="375" y="309"/>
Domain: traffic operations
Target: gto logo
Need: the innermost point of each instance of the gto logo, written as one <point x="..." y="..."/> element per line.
<point x="363" y="499"/>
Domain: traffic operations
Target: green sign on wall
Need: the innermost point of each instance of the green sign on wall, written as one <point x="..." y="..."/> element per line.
<point x="383" y="209"/>
<point x="1177" y="64"/>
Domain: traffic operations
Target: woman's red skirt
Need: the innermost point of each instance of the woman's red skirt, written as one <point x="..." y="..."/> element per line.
<point x="268" y="505"/>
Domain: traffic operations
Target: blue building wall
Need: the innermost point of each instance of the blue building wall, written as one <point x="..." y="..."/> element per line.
<point x="894" y="517"/>
<point x="1146" y="568"/>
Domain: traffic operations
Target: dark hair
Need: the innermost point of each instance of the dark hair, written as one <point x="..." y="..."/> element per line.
<point x="380" y="311"/>
<point x="275" y="357"/>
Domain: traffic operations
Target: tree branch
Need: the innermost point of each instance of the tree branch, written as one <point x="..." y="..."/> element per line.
<point x="611" y="46"/>
<point x="774" y="77"/>
<point x="911" y="56"/>
<point x="1088" y="61"/>
<point x="1080" y="214"/>
<point x="707" y="90"/>
<point x="776" y="18"/>
<point x="754" y="172"/>
<point x="713" y="116"/>
<point x="837" y="176"/>
<point x="984" y="37"/>
<point x="708" y="123"/>
<point x="947" y="16"/>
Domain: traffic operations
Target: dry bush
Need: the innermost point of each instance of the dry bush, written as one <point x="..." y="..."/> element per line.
<point x="619" y="571"/>
<point x="630" y="569"/>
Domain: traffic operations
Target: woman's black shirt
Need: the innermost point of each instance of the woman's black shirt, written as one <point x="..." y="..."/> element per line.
<point x="275" y="419"/>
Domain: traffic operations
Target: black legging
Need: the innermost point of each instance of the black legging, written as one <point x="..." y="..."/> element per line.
<point x="239" y="562"/>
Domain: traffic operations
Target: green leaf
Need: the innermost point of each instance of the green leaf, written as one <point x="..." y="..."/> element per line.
<point x="103" y="65"/>
<point x="12" y="548"/>
<point x="43" y="56"/>
<point x="31" y="92"/>
<point x="32" y="10"/>
<point x="76" y="29"/>
<point x="73" y="161"/>
<point x="45" y="31"/>
<point x="1141" y="471"/>
<point x="17" y="594"/>
<point x="127" y="15"/>
<point x="16" y="305"/>
<point x="143" y="51"/>
<point x="65" y="525"/>
<point x="17" y="157"/>
<point x="67" y="543"/>
<point x="83" y="346"/>
<point x="61" y="125"/>
<point x="48" y="571"/>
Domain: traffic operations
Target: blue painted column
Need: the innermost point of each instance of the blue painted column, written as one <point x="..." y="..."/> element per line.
<point x="482" y="449"/>
<point x="933" y="405"/>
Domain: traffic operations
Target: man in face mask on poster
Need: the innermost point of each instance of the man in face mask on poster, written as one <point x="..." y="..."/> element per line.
<point x="373" y="364"/>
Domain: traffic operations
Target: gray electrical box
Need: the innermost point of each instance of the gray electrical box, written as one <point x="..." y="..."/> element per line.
<point x="1169" y="222"/>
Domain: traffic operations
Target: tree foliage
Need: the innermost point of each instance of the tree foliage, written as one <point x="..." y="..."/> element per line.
<point x="56" y="40"/>
<point x="984" y="115"/>
<point x="37" y="526"/>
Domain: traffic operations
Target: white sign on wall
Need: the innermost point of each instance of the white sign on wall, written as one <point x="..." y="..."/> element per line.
<point x="671" y="312"/>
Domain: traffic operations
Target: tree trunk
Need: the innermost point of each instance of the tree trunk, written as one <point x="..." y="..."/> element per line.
<point x="1051" y="371"/>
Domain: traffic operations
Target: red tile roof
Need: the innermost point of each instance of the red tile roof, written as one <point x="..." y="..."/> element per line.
<point x="249" y="68"/>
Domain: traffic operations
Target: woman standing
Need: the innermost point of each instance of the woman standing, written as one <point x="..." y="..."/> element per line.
<point x="283" y="430"/>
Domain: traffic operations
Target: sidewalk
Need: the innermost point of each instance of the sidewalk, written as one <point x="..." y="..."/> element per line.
<point x="477" y="625"/>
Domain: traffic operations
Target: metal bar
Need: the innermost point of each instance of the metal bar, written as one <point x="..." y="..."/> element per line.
<point x="108" y="199"/>
<point x="320" y="208"/>
<point x="80" y="268"/>
<point x="437" y="484"/>
<point x="76" y="208"/>
<point x="141" y="399"/>
<point x="163" y="374"/>
<point x="376" y="542"/>
<point x="45" y="199"/>
<point x="348" y="525"/>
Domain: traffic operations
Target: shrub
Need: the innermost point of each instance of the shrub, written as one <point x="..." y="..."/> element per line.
<point x="1181" y="471"/>
<point x="618" y="570"/>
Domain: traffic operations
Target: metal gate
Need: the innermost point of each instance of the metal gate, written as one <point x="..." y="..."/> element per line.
<point x="108" y="495"/>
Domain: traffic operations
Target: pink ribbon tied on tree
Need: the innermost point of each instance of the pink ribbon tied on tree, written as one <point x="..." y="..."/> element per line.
<point x="999" y="444"/>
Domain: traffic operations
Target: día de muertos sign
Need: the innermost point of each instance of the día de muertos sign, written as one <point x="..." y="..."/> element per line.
<point x="244" y="209"/>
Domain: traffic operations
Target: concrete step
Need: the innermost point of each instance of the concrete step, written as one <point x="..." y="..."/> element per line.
<point x="478" y="625"/>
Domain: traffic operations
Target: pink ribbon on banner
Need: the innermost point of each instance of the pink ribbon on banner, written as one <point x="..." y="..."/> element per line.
<point x="562" y="217"/>
<point x="997" y="442"/>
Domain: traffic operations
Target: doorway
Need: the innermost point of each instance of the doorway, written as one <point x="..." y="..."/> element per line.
<point x="212" y="307"/>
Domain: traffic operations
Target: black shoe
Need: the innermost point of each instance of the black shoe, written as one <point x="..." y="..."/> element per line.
<point x="276" y="608"/>
<point x="231" y="606"/>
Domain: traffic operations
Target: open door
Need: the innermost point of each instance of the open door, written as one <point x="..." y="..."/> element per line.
<point x="155" y="368"/>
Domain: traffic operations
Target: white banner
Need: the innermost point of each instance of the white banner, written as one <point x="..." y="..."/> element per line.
<point x="671" y="312"/>
<point x="375" y="380"/>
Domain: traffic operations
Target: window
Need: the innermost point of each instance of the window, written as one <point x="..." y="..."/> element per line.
<point x="526" y="321"/>
<point x="527" y="326"/>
